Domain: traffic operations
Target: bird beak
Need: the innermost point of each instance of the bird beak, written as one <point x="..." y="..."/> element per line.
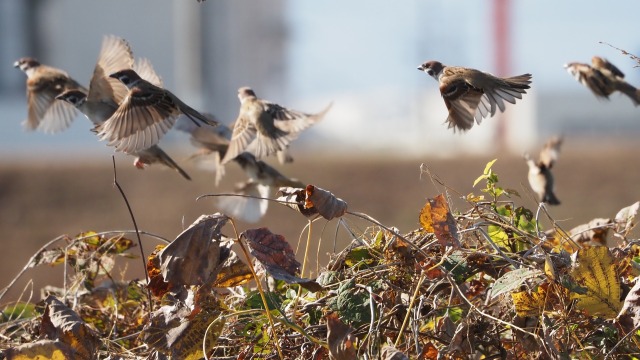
<point x="16" y="64"/>
<point x="420" y="68"/>
<point x="114" y="75"/>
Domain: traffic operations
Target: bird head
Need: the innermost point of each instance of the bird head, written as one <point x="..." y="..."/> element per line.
<point x="127" y="76"/>
<point x="26" y="63"/>
<point x="244" y="93"/>
<point x="432" y="68"/>
<point x="74" y="97"/>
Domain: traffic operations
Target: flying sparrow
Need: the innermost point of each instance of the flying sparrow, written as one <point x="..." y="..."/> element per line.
<point x="264" y="128"/>
<point x="154" y="155"/>
<point x="145" y="115"/>
<point x="44" y="83"/>
<point x="603" y="78"/>
<point x="539" y="176"/>
<point x="148" y="156"/>
<point x="105" y="93"/>
<point x="550" y="151"/>
<point x="211" y="141"/>
<point x="262" y="178"/>
<point x="470" y="93"/>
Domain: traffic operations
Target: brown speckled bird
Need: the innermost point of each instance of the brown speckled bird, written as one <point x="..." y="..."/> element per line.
<point x="145" y="115"/>
<point x="44" y="83"/>
<point x="539" y="176"/>
<point x="603" y="79"/>
<point x="264" y="128"/>
<point x="105" y="93"/>
<point x="470" y="93"/>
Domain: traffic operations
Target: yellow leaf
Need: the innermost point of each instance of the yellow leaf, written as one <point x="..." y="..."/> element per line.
<point x="595" y="272"/>
<point x="549" y="270"/>
<point x="41" y="350"/>
<point x="529" y="303"/>
<point x="425" y="218"/>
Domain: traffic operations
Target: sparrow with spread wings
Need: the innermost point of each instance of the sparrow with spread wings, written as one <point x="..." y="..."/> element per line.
<point x="262" y="178"/>
<point x="105" y="93"/>
<point x="44" y="83"/>
<point x="145" y="115"/>
<point x="539" y="176"/>
<point x="603" y="79"/>
<point x="470" y="93"/>
<point x="264" y="128"/>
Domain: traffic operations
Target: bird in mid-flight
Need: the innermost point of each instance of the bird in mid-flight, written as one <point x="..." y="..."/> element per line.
<point x="472" y="94"/>
<point x="603" y="79"/>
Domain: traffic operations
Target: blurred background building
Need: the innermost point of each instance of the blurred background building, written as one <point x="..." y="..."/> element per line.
<point x="362" y="55"/>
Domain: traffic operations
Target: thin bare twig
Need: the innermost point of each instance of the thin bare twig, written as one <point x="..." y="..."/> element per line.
<point x="135" y="226"/>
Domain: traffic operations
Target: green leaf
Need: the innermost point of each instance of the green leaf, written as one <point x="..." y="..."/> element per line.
<point x="487" y="168"/>
<point x="512" y="281"/>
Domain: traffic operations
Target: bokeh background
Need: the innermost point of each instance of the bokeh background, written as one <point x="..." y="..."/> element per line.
<point x="387" y="118"/>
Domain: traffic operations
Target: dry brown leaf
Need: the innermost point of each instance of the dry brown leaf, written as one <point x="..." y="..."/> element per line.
<point x="327" y="204"/>
<point x="593" y="233"/>
<point x="179" y="330"/>
<point x="195" y="256"/>
<point x="156" y="285"/>
<point x="625" y="219"/>
<point x="313" y="200"/>
<point x="61" y="324"/>
<point x="389" y="352"/>
<point x="629" y="316"/>
<point x="340" y="339"/>
<point x="271" y="250"/>
<point x="444" y="225"/>
<point x="429" y="352"/>
<point x="295" y="198"/>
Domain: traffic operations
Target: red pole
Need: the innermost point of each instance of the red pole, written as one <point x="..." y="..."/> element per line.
<point x="501" y="30"/>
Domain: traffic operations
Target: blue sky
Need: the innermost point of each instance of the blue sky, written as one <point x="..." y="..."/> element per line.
<point x="364" y="44"/>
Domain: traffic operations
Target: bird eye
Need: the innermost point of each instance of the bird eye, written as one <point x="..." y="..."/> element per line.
<point x="430" y="72"/>
<point x="125" y="79"/>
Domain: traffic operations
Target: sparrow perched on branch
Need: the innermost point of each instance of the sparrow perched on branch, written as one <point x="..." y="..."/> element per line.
<point x="603" y="78"/>
<point x="264" y="128"/>
<point x="44" y="83"/>
<point x="145" y="115"/>
<point x="470" y="93"/>
<point x="540" y="177"/>
<point x="105" y="93"/>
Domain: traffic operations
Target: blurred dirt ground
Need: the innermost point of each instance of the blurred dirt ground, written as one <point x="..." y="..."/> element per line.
<point x="42" y="200"/>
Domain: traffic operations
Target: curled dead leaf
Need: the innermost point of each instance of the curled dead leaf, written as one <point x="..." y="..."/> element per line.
<point x="61" y="324"/>
<point x="327" y="204"/>
<point x="295" y="199"/>
<point x="313" y="200"/>
<point x="625" y="219"/>
<point x="593" y="233"/>
<point x="441" y="221"/>
<point x="196" y="255"/>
